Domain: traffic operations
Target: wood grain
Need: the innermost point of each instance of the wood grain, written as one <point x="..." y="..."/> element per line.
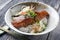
<point x="54" y="35"/>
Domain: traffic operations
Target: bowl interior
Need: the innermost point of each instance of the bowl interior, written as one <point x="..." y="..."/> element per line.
<point x="53" y="16"/>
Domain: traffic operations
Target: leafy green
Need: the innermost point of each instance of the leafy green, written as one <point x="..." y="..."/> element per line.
<point x="38" y="22"/>
<point x="44" y="27"/>
<point x="45" y="24"/>
<point x="31" y="13"/>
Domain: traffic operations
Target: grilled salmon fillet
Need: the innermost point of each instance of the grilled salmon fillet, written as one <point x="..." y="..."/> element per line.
<point x="23" y="23"/>
<point x="28" y="21"/>
<point x="41" y="15"/>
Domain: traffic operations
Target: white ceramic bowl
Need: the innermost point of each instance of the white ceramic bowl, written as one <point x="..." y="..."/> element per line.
<point x="52" y="23"/>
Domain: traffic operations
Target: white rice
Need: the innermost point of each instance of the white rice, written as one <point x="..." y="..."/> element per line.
<point x="29" y="27"/>
<point x="26" y="29"/>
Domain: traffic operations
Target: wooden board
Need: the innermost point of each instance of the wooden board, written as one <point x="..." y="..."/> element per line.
<point x="50" y="36"/>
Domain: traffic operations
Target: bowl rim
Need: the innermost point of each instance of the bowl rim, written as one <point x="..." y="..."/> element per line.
<point x="30" y="33"/>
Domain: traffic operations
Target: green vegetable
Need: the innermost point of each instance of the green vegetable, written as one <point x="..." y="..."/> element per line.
<point x="38" y="22"/>
<point x="31" y="13"/>
<point x="45" y="24"/>
<point x="44" y="27"/>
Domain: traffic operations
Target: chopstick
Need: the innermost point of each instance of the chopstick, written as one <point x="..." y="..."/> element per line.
<point x="15" y="34"/>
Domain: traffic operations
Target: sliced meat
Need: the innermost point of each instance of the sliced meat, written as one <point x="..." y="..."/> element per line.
<point x="28" y="21"/>
<point x="24" y="23"/>
<point x="41" y="15"/>
<point x="19" y="19"/>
